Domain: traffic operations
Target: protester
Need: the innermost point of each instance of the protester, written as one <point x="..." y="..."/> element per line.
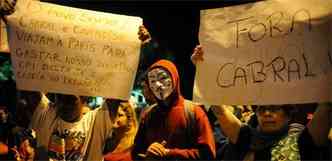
<point x="165" y="132"/>
<point x="119" y="146"/>
<point x="63" y="132"/>
<point x="271" y="139"/>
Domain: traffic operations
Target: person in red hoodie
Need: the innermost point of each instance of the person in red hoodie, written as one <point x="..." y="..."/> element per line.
<point x="164" y="132"/>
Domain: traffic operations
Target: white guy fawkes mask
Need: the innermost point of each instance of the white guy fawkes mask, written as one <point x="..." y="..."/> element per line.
<point x="160" y="83"/>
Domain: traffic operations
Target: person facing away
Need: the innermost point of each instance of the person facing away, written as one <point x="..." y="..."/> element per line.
<point x="163" y="132"/>
<point x="271" y="139"/>
<point x="119" y="146"/>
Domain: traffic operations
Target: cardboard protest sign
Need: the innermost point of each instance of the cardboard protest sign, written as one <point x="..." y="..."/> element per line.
<point x="73" y="51"/>
<point x="269" y="52"/>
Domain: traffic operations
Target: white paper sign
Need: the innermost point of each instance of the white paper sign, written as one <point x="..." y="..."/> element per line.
<point x="269" y="52"/>
<point x="73" y="51"/>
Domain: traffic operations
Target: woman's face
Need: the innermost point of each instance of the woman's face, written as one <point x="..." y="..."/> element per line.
<point x="271" y="119"/>
<point x="121" y="120"/>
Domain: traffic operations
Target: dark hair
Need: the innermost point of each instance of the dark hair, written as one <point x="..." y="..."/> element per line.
<point x="113" y="106"/>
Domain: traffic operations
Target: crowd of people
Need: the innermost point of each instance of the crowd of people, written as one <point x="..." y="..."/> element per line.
<point x="169" y="128"/>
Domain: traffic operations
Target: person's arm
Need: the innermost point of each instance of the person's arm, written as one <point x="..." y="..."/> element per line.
<point x="204" y="147"/>
<point x="229" y="124"/>
<point x="319" y="126"/>
<point x="38" y="104"/>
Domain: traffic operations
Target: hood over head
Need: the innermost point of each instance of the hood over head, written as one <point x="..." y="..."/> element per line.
<point x="171" y="68"/>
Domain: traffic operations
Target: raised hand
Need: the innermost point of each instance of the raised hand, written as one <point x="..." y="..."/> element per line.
<point x="143" y="34"/>
<point x="197" y="54"/>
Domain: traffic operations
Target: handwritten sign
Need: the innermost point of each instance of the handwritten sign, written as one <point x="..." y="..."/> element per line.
<point x="269" y="52"/>
<point x="73" y="51"/>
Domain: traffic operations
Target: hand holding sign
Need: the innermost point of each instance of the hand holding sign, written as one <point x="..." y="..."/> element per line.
<point x="197" y="54"/>
<point x="143" y="34"/>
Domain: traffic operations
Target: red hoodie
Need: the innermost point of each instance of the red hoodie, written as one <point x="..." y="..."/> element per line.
<point x="171" y="125"/>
